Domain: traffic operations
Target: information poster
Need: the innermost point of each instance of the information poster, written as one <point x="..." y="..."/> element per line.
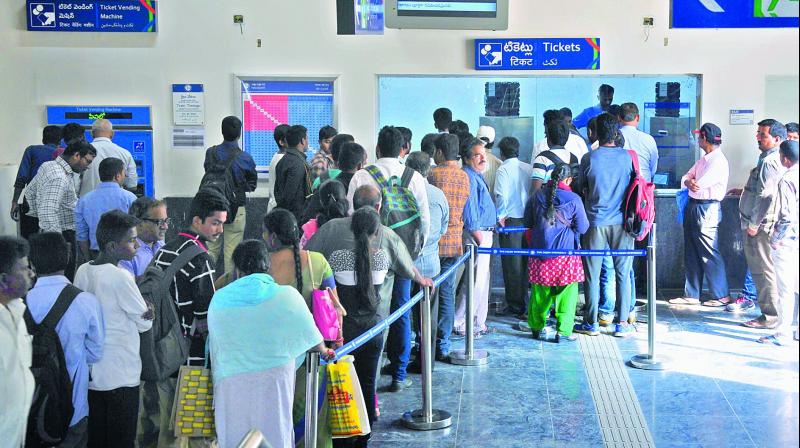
<point x="188" y="105"/>
<point x="537" y="54"/>
<point x="267" y="104"/>
<point x="111" y="16"/>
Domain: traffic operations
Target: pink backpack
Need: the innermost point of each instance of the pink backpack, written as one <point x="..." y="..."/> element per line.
<point x="639" y="208"/>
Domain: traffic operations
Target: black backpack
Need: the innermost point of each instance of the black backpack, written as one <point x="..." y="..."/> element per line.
<point x="163" y="348"/>
<point x="219" y="177"/>
<point x="51" y="410"/>
<point x="574" y="165"/>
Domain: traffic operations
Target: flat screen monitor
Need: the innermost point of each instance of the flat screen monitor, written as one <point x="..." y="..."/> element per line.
<point x="447" y="14"/>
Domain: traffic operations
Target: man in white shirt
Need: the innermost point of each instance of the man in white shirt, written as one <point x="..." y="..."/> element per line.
<point x="643" y="143"/>
<point x="390" y="144"/>
<point x="511" y="189"/>
<point x="115" y="380"/>
<point x="575" y="144"/>
<point x="706" y="181"/>
<point x="103" y="132"/>
<point x="16" y="379"/>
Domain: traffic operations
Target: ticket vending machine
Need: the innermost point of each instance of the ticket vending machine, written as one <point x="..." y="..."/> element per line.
<point x="133" y="130"/>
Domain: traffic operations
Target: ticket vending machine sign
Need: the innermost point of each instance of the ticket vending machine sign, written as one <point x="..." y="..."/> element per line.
<point x="109" y="16"/>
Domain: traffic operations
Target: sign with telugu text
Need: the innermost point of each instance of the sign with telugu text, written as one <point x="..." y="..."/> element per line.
<point x="109" y="16"/>
<point x="537" y="54"/>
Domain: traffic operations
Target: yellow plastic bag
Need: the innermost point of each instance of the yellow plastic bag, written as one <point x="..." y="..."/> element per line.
<point x="348" y="412"/>
<point x="193" y="412"/>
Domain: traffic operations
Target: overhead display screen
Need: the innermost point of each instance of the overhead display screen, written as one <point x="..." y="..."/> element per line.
<point x="447" y="8"/>
<point x="447" y="14"/>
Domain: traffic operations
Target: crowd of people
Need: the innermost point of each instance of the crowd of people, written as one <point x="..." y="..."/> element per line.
<point x="369" y="234"/>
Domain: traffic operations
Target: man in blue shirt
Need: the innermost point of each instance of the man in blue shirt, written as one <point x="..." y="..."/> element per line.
<point x="33" y="157"/>
<point x="81" y="330"/>
<point x="511" y="188"/>
<point x="605" y="96"/>
<point x="607" y="174"/>
<point x="151" y="231"/>
<point x="109" y="195"/>
<point x="643" y="143"/>
<point x="480" y="218"/>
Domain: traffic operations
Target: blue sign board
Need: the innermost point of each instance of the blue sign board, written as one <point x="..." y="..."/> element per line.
<point x="735" y="13"/>
<point x="189" y="88"/>
<point x="110" y="16"/>
<point x="537" y="54"/>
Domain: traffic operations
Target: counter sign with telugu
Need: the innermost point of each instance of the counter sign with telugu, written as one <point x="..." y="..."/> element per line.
<point x="537" y="54"/>
<point x="109" y="16"/>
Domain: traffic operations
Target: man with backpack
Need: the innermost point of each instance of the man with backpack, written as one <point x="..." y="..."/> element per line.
<point x="16" y="379"/>
<point x="191" y="289"/>
<point x="575" y="144"/>
<point x="233" y="172"/>
<point x="405" y="210"/>
<point x="77" y="318"/>
<point x="607" y="171"/>
<point x="556" y="153"/>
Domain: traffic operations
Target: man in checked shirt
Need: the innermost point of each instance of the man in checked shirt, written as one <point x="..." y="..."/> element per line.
<point x="192" y="289"/>
<point x="52" y="196"/>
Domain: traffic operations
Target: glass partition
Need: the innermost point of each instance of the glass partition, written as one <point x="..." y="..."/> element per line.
<point x="514" y="106"/>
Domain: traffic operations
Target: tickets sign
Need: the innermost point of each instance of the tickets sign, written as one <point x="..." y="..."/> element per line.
<point x="537" y="54"/>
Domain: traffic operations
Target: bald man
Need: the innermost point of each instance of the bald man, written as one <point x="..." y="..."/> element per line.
<point x="103" y="132"/>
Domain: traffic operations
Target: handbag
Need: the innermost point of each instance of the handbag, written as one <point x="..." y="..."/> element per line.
<point x="348" y="411"/>
<point x="322" y="307"/>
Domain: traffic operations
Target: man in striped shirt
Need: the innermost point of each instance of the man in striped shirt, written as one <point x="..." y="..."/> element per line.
<point x="191" y="289"/>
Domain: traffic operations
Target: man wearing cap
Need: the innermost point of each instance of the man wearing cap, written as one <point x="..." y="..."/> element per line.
<point x="243" y="169"/>
<point x="707" y="181"/>
<point x="487" y="134"/>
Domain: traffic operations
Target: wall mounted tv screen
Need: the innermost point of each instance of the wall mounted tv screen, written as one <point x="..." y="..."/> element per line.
<point x="447" y="14"/>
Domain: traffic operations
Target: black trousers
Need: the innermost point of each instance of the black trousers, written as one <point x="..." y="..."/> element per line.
<point x="72" y="265"/>
<point x="515" y="269"/>
<point x="112" y="417"/>
<point x="28" y="225"/>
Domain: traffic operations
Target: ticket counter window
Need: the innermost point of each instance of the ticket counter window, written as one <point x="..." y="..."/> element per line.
<point x="514" y="106"/>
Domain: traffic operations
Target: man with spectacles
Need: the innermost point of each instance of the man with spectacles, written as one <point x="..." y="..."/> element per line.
<point x="151" y="231"/>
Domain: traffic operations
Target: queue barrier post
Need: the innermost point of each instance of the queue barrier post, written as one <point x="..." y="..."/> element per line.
<point x="469" y="356"/>
<point x="649" y="361"/>
<point x="427" y="418"/>
<point x="312" y="398"/>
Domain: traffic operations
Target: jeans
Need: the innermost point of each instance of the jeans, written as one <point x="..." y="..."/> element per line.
<point x="112" y="417"/>
<point x="601" y="238"/>
<point x="399" y="342"/>
<point x="749" y="290"/>
<point x="701" y="256"/>
<point x="608" y="288"/>
<point x="447" y="308"/>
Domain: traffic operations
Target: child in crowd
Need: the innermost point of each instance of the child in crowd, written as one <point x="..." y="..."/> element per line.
<point x="114" y="381"/>
<point x="557" y="219"/>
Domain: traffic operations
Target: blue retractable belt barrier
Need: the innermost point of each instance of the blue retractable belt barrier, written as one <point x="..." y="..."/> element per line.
<point x="555" y="253"/>
<point x="384" y="324"/>
<point x="511" y="229"/>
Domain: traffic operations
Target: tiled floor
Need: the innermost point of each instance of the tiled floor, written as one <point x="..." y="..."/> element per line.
<point x="722" y="390"/>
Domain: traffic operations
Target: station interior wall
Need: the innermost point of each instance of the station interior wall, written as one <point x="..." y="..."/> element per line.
<point x="198" y="42"/>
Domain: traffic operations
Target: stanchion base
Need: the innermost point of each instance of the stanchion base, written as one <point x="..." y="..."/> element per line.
<point x="415" y="420"/>
<point x="460" y="358"/>
<point x="645" y="362"/>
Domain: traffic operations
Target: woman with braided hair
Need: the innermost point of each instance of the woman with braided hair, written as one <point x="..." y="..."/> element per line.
<point x="557" y="219"/>
<point x="333" y="204"/>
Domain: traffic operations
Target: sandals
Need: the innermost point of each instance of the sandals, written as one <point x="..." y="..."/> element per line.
<point x="714" y="303"/>
<point x="759" y="324"/>
<point x="771" y="339"/>
<point x="684" y="301"/>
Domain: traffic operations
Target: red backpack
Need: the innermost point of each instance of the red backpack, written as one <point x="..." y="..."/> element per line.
<point x="639" y="207"/>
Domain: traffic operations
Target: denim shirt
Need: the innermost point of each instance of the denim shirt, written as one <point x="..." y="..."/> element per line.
<point x="428" y="261"/>
<point x="479" y="211"/>
<point x="32" y="159"/>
